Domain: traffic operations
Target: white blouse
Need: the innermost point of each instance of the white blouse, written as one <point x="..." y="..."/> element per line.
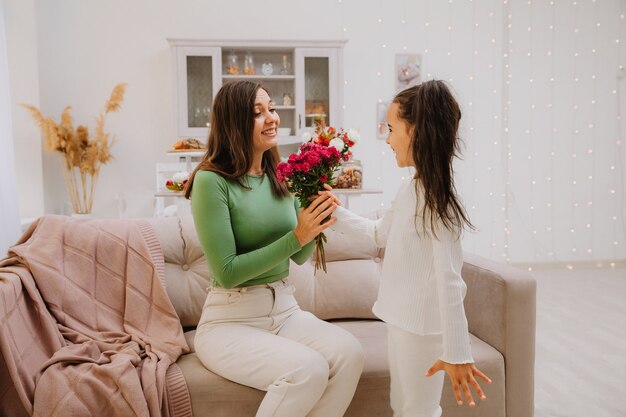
<point x="421" y="289"/>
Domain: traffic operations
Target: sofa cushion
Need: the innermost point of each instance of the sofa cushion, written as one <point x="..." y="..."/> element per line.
<point x="186" y="270"/>
<point x="340" y="247"/>
<point x="347" y="290"/>
<point x="215" y="396"/>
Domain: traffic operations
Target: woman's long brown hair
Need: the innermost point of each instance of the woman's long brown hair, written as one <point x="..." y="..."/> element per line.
<point x="230" y="149"/>
<point x="433" y="117"/>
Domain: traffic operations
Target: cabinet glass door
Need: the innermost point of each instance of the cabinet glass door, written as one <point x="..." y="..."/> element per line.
<point x="316" y="88"/>
<point x="199" y="80"/>
<point x="199" y="90"/>
<point x="316" y="91"/>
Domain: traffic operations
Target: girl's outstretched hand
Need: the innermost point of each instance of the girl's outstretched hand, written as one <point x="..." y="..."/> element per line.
<point x="329" y="192"/>
<point x="463" y="375"/>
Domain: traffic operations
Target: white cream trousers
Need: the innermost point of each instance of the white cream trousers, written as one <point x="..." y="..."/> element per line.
<point x="258" y="336"/>
<point x="410" y="356"/>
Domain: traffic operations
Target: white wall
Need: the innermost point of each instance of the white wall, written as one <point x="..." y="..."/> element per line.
<point x="85" y="48"/>
<point x="9" y="220"/>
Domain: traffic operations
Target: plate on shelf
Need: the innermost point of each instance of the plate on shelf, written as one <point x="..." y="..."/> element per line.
<point x="187" y="150"/>
<point x="169" y="193"/>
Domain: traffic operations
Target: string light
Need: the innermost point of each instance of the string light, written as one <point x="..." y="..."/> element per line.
<point x="619" y="179"/>
<point x="343" y="29"/>
<point x="552" y="132"/>
<point x="472" y="115"/>
<point x="591" y="211"/>
<point x="506" y="147"/>
<point x="521" y="138"/>
<point x="381" y="90"/>
<point x="575" y="131"/>
<point x="494" y="148"/>
<point x="530" y="128"/>
<point x="426" y="27"/>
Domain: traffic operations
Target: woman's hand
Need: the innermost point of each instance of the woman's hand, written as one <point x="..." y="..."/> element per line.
<point x="312" y="220"/>
<point x="463" y="375"/>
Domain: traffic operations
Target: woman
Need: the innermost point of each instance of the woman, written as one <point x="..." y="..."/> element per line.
<point x="252" y="330"/>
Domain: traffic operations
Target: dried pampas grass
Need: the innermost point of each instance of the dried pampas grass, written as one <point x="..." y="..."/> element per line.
<point x="82" y="155"/>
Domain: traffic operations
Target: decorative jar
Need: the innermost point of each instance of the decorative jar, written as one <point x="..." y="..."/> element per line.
<point x="248" y="64"/>
<point x="232" y="63"/>
<point x="350" y="175"/>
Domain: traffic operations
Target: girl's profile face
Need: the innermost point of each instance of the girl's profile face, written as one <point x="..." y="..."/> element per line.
<point x="399" y="137"/>
<point x="266" y="122"/>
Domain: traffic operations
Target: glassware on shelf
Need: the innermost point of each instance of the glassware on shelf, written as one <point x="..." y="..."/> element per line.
<point x="267" y="68"/>
<point x="248" y="64"/>
<point x="286" y="68"/>
<point x="350" y="175"/>
<point x="287" y="99"/>
<point x="232" y="63"/>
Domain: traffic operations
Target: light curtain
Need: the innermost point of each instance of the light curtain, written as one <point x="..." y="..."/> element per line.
<point x="9" y="216"/>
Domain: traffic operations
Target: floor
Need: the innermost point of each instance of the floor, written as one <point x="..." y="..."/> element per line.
<point x="580" y="368"/>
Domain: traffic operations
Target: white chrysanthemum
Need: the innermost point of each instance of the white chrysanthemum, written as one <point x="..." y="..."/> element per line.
<point x="179" y="177"/>
<point x="337" y="143"/>
<point x="354" y="135"/>
<point x="306" y="136"/>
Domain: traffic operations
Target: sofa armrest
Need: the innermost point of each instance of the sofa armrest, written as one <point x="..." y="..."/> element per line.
<point x="501" y="310"/>
<point x="28" y="338"/>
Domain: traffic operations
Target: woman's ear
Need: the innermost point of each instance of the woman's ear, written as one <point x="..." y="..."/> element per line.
<point x="410" y="130"/>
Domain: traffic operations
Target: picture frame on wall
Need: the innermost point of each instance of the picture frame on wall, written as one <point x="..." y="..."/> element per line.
<point x="382" y="130"/>
<point x="408" y="70"/>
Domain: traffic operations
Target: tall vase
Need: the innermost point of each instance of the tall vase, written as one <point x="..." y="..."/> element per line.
<point x="82" y="215"/>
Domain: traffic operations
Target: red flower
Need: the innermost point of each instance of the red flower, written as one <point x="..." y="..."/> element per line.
<point x="313" y="158"/>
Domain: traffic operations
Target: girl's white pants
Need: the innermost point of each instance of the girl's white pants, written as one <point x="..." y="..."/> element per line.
<point x="410" y="356"/>
<point x="258" y="336"/>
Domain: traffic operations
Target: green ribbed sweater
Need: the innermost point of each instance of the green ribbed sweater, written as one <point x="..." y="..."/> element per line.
<point x="247" y="235"/>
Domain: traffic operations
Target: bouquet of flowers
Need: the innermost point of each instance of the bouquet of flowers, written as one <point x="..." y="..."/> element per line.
<point x="307" y="171"/>
<point x="178" y="181"/>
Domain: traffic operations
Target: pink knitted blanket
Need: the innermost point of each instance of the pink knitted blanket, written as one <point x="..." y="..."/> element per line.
<point x="87" y="328"/>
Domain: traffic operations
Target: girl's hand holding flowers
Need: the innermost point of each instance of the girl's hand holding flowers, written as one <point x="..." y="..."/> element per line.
<point x="329" y="193"/>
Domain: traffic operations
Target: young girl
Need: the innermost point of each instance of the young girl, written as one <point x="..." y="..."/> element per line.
<point x="421" y="291"/>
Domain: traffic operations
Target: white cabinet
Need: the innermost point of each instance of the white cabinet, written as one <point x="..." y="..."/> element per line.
<point x="303" y="78"/>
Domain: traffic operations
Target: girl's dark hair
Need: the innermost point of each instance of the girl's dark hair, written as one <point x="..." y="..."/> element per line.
<point x="433" y="115"/>
<point x="230" y="149"/>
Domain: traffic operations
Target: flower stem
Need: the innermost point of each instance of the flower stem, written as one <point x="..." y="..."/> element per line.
<point x="320" y="256"/>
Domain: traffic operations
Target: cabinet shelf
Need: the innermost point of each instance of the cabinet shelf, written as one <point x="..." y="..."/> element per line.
<point x="259" y="77"/>
<point x="169" y="193"/>
<point x="280" y="107"/>
<point x="190" y="152"/>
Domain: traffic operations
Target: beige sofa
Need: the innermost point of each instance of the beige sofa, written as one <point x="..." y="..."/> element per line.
<point x="500" y="306"/>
